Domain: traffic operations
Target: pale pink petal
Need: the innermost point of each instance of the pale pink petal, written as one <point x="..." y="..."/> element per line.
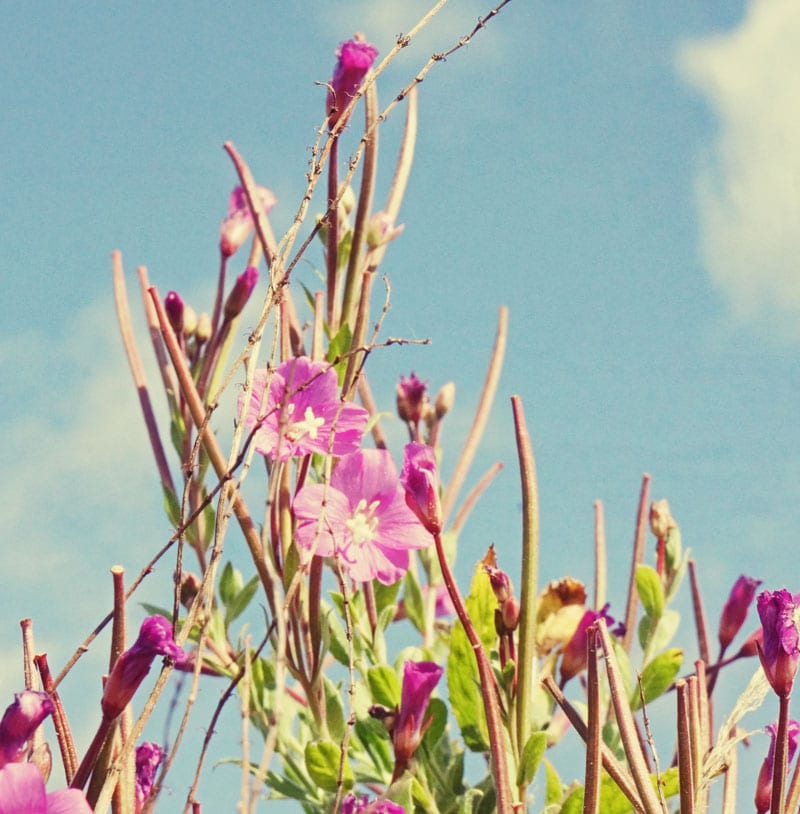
<point x="21" y="790"/>
<point x="67" y="801"/>
<point x="321" y="529"/>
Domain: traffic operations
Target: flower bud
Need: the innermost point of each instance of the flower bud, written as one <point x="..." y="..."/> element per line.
<point x="190" y="587"/>
<point x="412" y="395"/>
<point x="445" y="399"/>
<point x="239" y="223"/>
<point x="763" y="798"/>
<point x="381" y="230"/>
<point x="348" y="198"/>
<point x="354" y="59"/>
<point x="419" y="681"/>
<point x="20" y="721"/>
<point x="734" y="611"/>
<point x="421" y="483"/>
<point x="660" y="518"/>
<point x="189" y="320"/>
<point x="779" y="654"/>
<point x="240" y="293"/>
<point x="203" y="331"/>
<point x="173" y="305"/>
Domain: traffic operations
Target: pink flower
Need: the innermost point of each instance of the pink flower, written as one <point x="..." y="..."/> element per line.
<point x="419" y="681"/>
<point x="412" y="398"/>
<point x="20" y="720"/>
<point x="22" y="791"/>
<point x="362" y="517"/>
<point x="421" y="482"/>
<point x="148" y="758"/>
<point x="573" y="659"/>
<point x="240" y="293"/>
<point x="763" y="799"/>
<point x="734" y="611"/>
<point x="239" y="223"/>
<point x="354" y="59"/>
<point x="301" y="411"/>
<point x="779" y="654"/>
<point x="130" y="669"/>
<point x="361" y="805"/>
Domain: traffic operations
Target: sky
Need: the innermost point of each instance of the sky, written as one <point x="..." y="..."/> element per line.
<point x="623" y="177"/>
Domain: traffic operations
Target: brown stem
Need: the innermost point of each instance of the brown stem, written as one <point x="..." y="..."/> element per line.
<point x="489" y="691"/>
<point x="332" y="218"/>
<point x="591" y="793"/>
<point x="600" y="560"/>
<point x="781" y="756"/>
<point x="638" y="555"/>
<point x="699" y="614"/>
<point x="66" y="743"/>
<point x="685" y="761"/>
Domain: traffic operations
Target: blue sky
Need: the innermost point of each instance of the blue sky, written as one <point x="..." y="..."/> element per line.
<point x="623" y="177"/>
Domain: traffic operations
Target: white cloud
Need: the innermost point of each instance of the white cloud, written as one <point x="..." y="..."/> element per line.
<point x="749" y="186"/>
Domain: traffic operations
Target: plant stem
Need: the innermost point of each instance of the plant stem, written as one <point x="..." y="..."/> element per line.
<point x="638" y="555"/>
<point x="591" y="787"/>
<point x="781" y="756"/>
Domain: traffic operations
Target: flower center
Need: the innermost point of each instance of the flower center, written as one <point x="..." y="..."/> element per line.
<point x="362" y="523"/>
<point x="309" y="425"/>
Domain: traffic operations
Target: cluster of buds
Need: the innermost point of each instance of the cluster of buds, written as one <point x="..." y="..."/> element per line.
<point x="415" y="409"/>
<point x="506" y="615"/>
<point x="668" y="541"/>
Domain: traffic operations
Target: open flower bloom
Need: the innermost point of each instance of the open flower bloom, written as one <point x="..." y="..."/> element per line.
<point x="22" y="791"/>
<point x="155" y="639"/>
<point x="419" y="681"/>
<point x="421" y="483"/>
<point x="301" y="412"/>
<point x="362" y="805"/>
<point x="354" y="59"/>
<point x="239" y="223"/>
<point x="20" y="721"/>
<point x="779" y="653"/>
<point x="763" y="798"/>
<point x="362" y="517"/>
<point x="734" y="611"/>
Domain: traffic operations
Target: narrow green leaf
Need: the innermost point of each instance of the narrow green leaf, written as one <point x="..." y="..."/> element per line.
<point x="238" y="604"/>
<point x="171" y="506"/>
<point x="651" y="594"/>
<point x="554" y="788"/>
<point x="658" y="675"/>
<point x="412" y="601"/>
<point x="334" y="710"/>
<point x="437" y="713"/>
<point x="229" y="585"/>
<point x="531" y="757"/>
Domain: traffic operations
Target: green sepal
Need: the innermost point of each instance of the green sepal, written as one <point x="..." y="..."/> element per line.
<point x="322" y="764"/>
<point x="657" y="676"/>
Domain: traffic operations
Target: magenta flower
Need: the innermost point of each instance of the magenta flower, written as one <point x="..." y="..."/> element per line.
<point x="362" y="805"/>
<point x="354" y="59"/>
<point x="173" y="305"/>
<point x="130" y="669"/>
<point x="421" y="482"/>
<point x="22" y="791"/>
<point x="148" y="758"/>
<point x="419" y="681"/>
<point x="239" y="223"/>
<point x="20" y="720"/>
<point x="734" y="611"/>
<point x="573" y="659"/>
<point x="779" y="654"/>
<point x="763" y="798"/>
<point x="301" y="411"/>
<point x="361" y="517"/>
<point x="240" y="293"/>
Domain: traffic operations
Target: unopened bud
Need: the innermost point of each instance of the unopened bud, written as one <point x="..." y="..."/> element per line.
<point x="509" y="611"/>
<point x="445" y="399"/>
<point x="386" y="716"/>
<point x="240" y="293"/>
<point x="660" y="518"/>
<point x="348" y="199"/>
<point x="381" y="230"/>
<point x="189" y="320"/>
<point x="412" y="395"/>
<point x="190" y="586"/>
<point x="173" y="305"/>
<point x="203" y="331"/>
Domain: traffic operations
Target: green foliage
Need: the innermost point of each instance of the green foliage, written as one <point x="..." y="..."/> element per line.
<point x="323" y="759"/>
<point x="531" y="757"/>
<point x="658" y="676"/>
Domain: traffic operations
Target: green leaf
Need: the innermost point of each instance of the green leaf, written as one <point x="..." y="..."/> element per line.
<point x="171" y="506"/>
<point x="230" y="583"/>
<point x="574" y="802"/>
<point x="455" y="774"/>
<point x="651" y="594"/>
<point x="155" y="610"/>
<point x="238" y="604"/>
<point x="386" y="595"/>
<point x="554" y="789"/>
<point x="680" y="573"/>
<point x="437" y="713"/>
<point x="665" y="630"/>
<point x="334" y="711"/>
<point x="658" y="675"/>
<point x="531" y="757"/>
<point x="470" y="800"/>
<point x="338" y="347"/>
<point x="384" y="686"/>
<point x="413" y="602"/>
<point x="322" y="764"/>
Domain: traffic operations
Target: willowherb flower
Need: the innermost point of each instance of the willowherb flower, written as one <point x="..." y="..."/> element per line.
<point x="362" y="805"/>
<point x="734" y="611"/>
<point x="155" y="639"/>
<point x="22" y="791"/>
<point x="420" y="480"/>
<point x="240" y="293"/>
<point x="239" y="223"/>
<point x="301" y="412"/>
<point x="148" y="759"/>
<point x="779" y="653"/>
<point x="353" y="59"/>
<point x="20" y="720"/>
<point x="763" y="798"/>
<point x="362" y="517"/>
<point x="419" y="681"/>
<point x="573" y="659"/>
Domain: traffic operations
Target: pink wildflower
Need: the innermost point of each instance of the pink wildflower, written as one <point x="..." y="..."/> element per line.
<point x="354" y="59"/>
<point x="148" y="758"/>
<point x="412" y="398"/>
<point x="362" y="517"/>
<point x="734" y="611"/>
<point x="301" y="411"/>
<point x="239" y="223"/>
<point x="22" y="791"/>
<point x="780" y="653"/>
<point x="419" y="681"/>
<point x="763" y="798"/>
<point x="421" y="482"/>
<point x="130" y="669"/>
<point x="362" y="805"/>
